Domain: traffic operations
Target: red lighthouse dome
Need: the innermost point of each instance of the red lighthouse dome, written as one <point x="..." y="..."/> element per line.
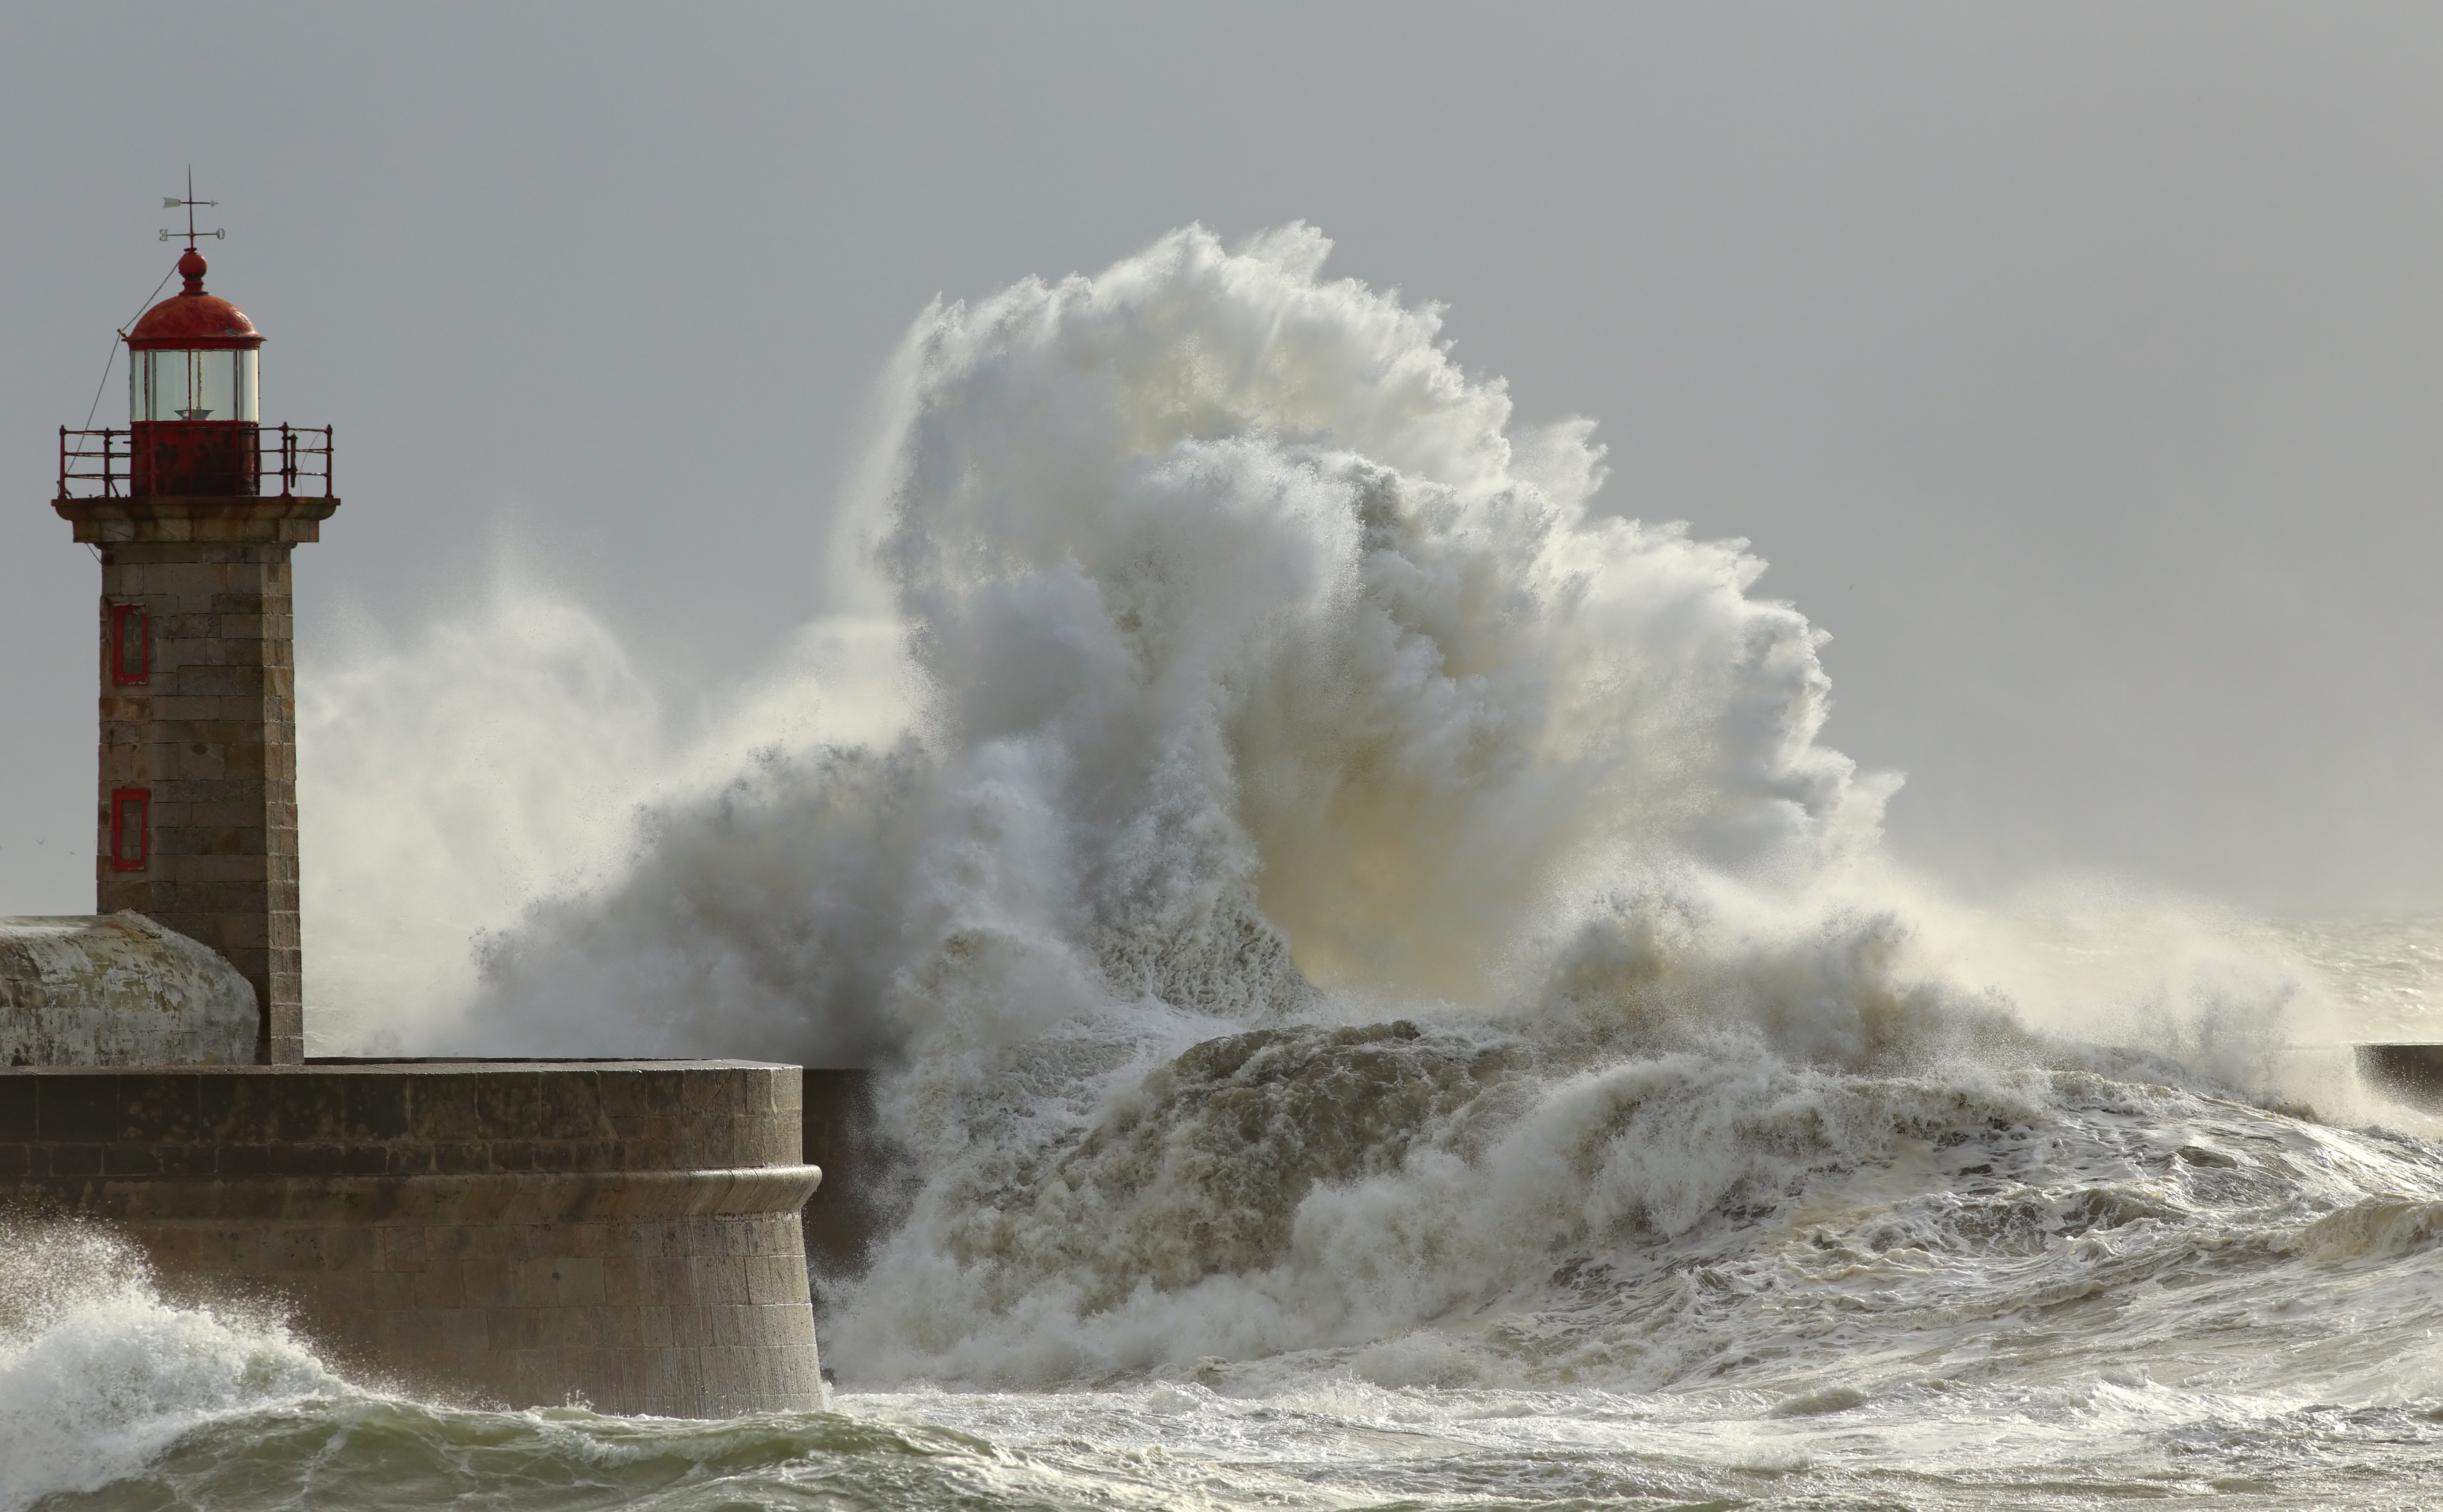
<point x="194" y="319"/>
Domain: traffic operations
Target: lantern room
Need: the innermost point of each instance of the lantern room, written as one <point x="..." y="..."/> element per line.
<point x="191" y="393"/>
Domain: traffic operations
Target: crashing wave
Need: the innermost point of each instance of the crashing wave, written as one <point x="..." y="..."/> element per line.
<point x="1323" y="875"/>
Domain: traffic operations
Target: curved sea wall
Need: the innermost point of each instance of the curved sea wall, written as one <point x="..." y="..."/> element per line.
<point x="624" y="1233"/>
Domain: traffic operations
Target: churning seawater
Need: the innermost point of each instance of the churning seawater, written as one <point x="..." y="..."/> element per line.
<point x="1388" y="1004"/>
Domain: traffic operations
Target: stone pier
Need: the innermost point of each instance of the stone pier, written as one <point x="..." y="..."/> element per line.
<point x="2408" y="1073"/>
<point x="622" y="1234"/>
<point x="862" y="1174"/>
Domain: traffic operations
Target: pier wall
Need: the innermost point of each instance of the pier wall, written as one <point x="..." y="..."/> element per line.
<point x="861" y="1175"/>
<point x="622" y="1234"/>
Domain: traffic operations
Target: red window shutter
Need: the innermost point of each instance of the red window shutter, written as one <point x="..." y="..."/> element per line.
<point x="131" y="645"/>
<point x="131" y="833"/>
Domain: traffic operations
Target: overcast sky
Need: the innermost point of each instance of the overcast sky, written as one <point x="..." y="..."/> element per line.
<point x="2077" y="367"/>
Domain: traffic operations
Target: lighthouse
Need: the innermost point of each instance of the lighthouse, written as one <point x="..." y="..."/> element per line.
<point x="627" y="1232"/>
<point x="193" y="508"/>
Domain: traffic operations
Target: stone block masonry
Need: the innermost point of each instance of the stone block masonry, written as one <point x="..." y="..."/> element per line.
<point x="199" y="714"/>
<point x="211" y="737"/>
<point x="624" y="1233"/>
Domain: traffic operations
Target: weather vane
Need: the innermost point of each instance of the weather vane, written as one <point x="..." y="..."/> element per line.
<point x="191" y="202"/>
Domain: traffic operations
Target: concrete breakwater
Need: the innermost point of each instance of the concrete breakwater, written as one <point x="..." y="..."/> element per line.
<point x="862" y="1174"/>
<point x="626" y="1233"/>
<point x="2411" y="1072"/>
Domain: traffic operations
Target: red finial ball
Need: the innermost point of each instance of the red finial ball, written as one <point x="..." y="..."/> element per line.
<point x="191" y="267"/>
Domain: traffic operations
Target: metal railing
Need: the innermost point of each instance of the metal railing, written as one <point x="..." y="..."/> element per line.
<point x="297" y="453"/>
<point x="98" y="461"/>
<point x="100" y="464"/>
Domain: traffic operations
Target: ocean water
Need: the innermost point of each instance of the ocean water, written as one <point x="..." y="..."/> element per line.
<point x="1389" y="1002"/>
<point x="2062" y="1288"/>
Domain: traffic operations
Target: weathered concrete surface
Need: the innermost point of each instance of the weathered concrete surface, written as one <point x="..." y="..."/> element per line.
<point x="527" y="1233"/>
<point x="119" y="990"/>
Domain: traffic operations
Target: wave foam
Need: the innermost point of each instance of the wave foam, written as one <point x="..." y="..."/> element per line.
<point x="1315" y="871"/>
<point x="99" y="1373"/>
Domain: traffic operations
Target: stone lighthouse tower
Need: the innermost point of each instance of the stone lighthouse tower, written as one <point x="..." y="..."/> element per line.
<point x="195" y="509"/>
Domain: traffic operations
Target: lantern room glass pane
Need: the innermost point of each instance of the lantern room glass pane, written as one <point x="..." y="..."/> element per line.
<point x="213" y="387"/>
<point x="194" y="385"/>
<point x="160" y="384"/>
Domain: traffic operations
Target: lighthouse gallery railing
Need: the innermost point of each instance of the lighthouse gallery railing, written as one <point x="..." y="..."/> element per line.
<point x="99" y="464"/>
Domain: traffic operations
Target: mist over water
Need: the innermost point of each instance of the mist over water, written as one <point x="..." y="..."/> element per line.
<point x="1368" y="942"/>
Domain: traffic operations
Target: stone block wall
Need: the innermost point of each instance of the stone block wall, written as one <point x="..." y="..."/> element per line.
<point x="208" y="731"/>
<point x="212" y="736"/>
<point x="622" y="1233"/>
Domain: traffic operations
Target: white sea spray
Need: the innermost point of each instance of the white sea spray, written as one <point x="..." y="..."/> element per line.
<point x="99" y="1372"/>
<point x="1334" y="899"/>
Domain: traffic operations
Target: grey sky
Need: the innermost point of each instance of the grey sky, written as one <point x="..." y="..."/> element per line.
<point x="2077" y="367"/>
